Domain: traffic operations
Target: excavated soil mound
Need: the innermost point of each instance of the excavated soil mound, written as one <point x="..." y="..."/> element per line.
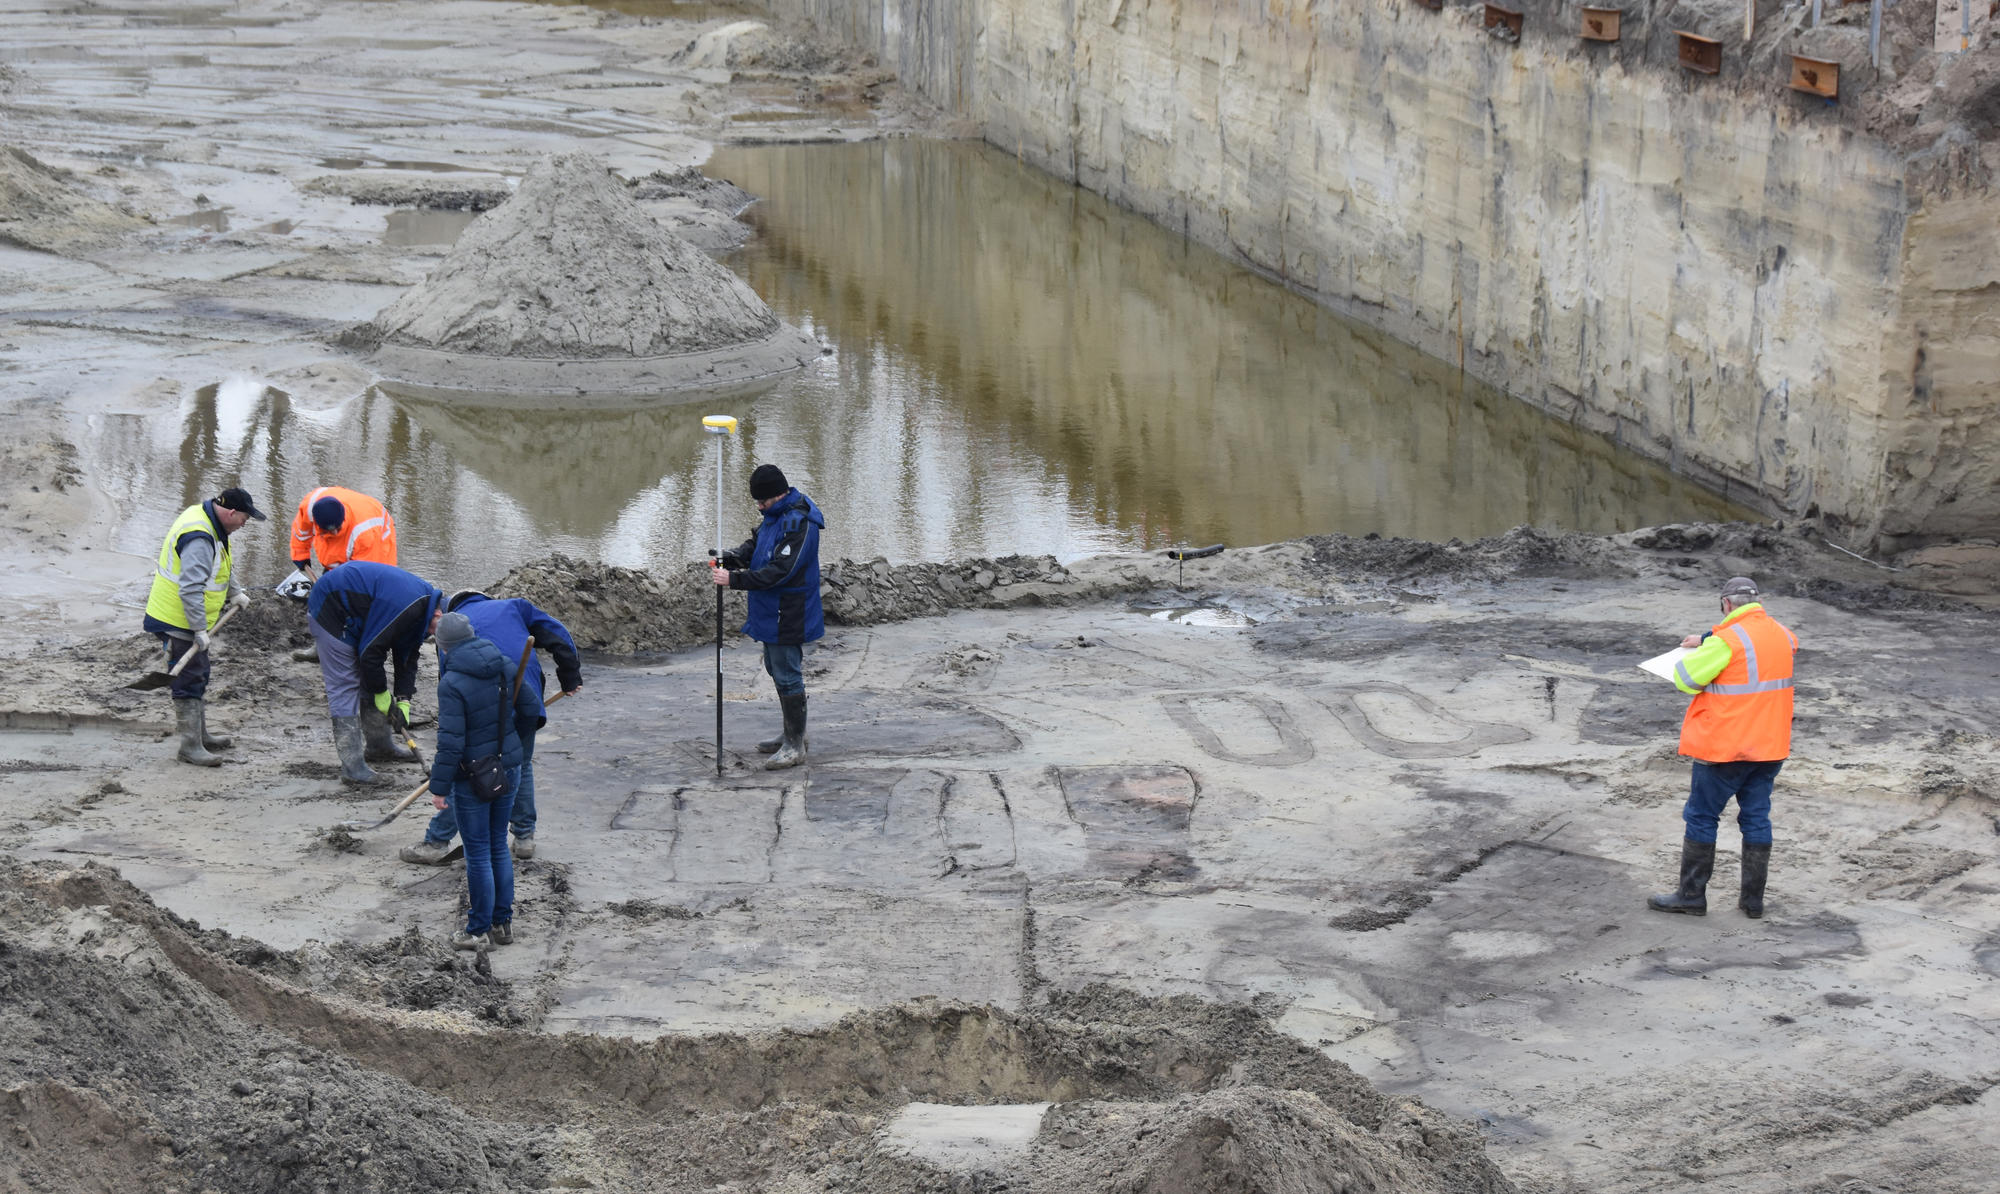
<point x="571" y="286"/>
<point x="626" y="611"/>
<point x="44" y="208"/>
<point x="145" y="1053"/>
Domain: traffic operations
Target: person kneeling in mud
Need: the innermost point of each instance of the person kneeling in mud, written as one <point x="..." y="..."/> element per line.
<point x="486" y="723"/>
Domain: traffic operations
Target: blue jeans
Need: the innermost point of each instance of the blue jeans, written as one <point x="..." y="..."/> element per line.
<point x="444" y="826"/>
<point x="1709" y="793"/>
<point x="192" y="683"/>
<point x="784" y="664"/>
<point x="489" y="868"/>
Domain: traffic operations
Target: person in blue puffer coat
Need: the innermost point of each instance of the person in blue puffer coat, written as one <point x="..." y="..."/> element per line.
<point x="507" y="623"/>
<point x="779" y="567"/>
<point x="481" y="712"/>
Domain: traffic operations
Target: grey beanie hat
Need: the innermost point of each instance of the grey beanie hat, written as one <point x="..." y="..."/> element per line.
<point x="453" y="629"/>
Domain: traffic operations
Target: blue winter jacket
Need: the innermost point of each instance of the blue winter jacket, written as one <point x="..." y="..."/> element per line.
<point x="473" y="715"/>
<point x="379" y="610"/>
<point x="508" y="623"/>
<point x="782" y="576"/>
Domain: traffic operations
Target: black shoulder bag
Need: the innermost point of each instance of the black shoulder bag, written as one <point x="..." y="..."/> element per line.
<point x="486" y="774"/>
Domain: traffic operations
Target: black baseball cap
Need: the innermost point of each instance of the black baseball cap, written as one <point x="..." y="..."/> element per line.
<point x="239" y="501"/>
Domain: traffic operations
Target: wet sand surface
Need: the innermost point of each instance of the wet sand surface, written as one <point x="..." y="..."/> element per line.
<point x="1386" y="805"/>
<point x="1412" y="819"/>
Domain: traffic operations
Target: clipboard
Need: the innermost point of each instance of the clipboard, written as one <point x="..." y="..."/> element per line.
<point x="1663" y="665"/>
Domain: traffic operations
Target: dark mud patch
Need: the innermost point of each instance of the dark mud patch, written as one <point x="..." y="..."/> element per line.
<point x="1521" y="552"/>
<point x="628" y="611"/>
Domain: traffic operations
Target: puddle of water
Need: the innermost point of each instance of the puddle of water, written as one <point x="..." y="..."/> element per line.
<point x="425" y="226"/>
<point x="214" y="219"/>
<point x="1017" y="367"/>
<point x="1202" y="615"/>
<point x="1067" y="377"/>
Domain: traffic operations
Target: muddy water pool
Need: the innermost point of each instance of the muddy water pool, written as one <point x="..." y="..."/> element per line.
<point x="1013" y="366"/>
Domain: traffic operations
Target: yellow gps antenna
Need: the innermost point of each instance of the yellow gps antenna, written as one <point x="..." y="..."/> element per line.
<point x="721" y="427"/>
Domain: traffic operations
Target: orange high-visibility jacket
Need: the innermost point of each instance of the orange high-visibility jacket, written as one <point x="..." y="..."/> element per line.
<point x="368" y="534"/>
<point x="1743" y="713"/>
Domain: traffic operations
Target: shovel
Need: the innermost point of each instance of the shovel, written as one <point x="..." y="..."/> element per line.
<point x="407" y="801"/>
<point x="152" y="680"/>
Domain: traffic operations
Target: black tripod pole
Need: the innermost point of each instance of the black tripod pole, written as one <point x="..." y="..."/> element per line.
<point x="718" y="677"/>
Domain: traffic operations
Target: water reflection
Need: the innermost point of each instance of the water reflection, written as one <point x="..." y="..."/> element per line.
<point x="475" y="491"/>
<point x="1017" y="367"/>
<point x="1167" y="395"/>
<point x="425" y="226"/>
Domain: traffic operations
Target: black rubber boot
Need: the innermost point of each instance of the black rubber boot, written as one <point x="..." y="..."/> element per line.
<point x="1697" y="864"/>
<point x="212" y="741"/>
<point x="354" y="768"/>
<point x="1756" y="866"/>
<point x="382" y="745"/>
<point x="792" y="751"/>
<point x="187" y="720"/>
<point x="769" y="746"/>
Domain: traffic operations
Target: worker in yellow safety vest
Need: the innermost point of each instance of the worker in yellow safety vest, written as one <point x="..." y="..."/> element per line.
<point x="193" y="582"/>
<point x="1738" y="731"/>
<point x="339" y="525"/>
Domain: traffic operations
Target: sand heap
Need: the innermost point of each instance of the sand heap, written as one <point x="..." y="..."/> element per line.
<point x="45" y="208"/>
<point x="569" y="287"/>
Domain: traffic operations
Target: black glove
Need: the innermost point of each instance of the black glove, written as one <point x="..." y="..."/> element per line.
<point x="731" y="561"/>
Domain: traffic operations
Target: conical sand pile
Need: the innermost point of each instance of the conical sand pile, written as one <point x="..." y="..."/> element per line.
<point x="569" y="287"/>
<point x="46" y="208"/>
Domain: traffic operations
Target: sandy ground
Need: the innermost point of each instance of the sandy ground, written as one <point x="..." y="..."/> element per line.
<point x="1407" y="818"/>
<point x="1170" y="855"/>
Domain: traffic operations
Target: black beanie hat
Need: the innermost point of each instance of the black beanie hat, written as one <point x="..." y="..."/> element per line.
<point x="768" y="482"/>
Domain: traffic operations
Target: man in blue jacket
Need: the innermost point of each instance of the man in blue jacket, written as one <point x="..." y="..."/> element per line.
<point x="779" y="567"/>
<point x="363" y="615"/>
<point x="507" y="624"/>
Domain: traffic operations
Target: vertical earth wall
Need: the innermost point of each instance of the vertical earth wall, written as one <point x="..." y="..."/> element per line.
<point x="1730" y="278"/>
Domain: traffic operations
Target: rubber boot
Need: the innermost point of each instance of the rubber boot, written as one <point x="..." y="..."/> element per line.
<point x="382" y="745"/>
<point x="769" y="746"/>
<point x="1697" y="864"/>
<point x="307" y="654"/>
<point x="1756" y="866"/>
<point x="212" y="741"/>
<point x="354" y="767"/>
<point x="187" y="720"/>
<point x="426" y="853"/>
<point x="792" y="750"/>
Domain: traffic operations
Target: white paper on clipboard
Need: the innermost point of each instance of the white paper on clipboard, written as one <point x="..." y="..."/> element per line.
<point x="1663" y="665"/>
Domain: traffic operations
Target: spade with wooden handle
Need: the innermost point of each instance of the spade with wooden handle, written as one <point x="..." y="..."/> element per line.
<point x="152" y="680"/>
<point x="407" y="801"/>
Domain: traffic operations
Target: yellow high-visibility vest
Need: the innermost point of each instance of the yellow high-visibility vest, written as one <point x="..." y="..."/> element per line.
<point x="164" y="602"/>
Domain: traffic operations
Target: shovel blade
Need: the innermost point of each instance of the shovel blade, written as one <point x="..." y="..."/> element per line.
<point x="150" y="681"/>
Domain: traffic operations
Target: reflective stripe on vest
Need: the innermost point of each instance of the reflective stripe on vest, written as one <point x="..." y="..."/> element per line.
<point x="163" y="603"/>
<point x="1750" y="660"/>
<point x="354" y="534"/>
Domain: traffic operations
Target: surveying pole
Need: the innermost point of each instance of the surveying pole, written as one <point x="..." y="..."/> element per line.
<point x="721" y="427"/>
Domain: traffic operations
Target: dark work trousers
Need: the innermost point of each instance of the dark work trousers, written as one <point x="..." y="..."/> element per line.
<point x="192" y="683"/>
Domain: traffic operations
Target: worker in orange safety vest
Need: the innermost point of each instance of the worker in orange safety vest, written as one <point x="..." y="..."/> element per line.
<point x="339" y="525"/>
<point x="1738" y="731"/>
